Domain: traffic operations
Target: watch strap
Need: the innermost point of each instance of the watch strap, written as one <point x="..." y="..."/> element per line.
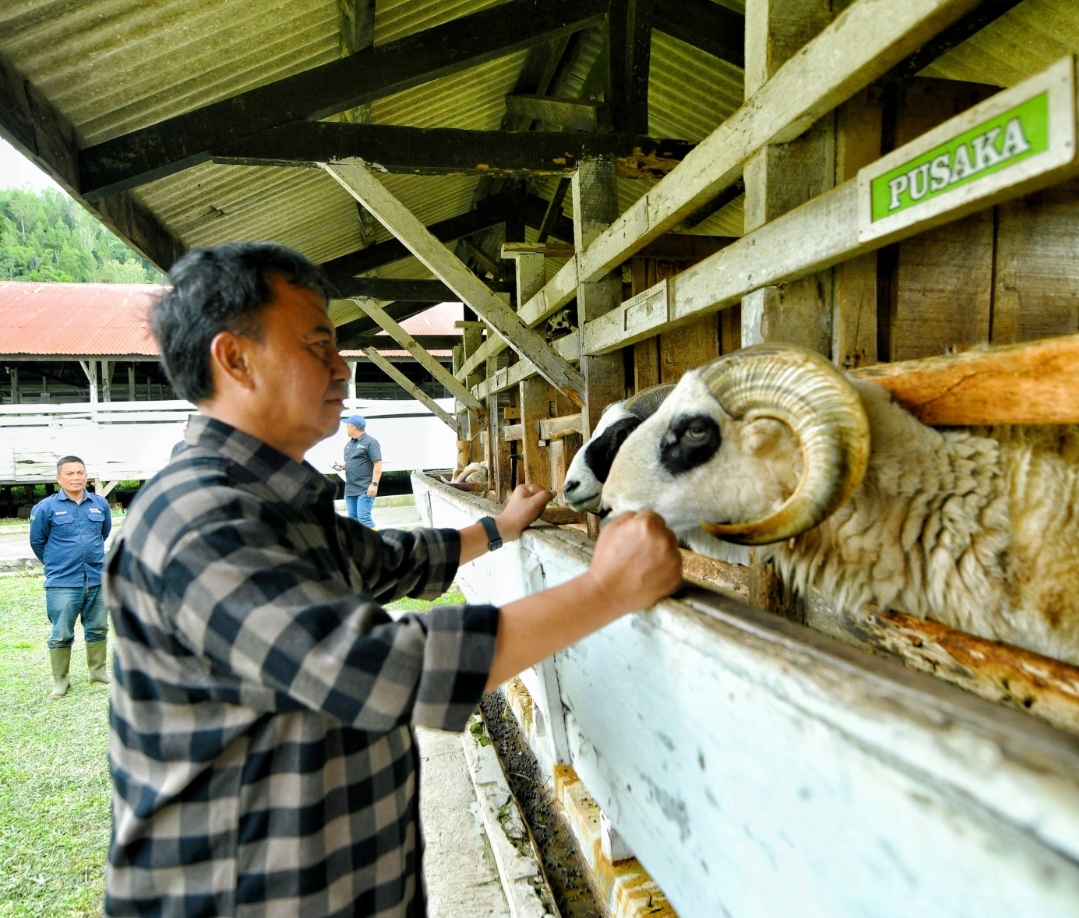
<point x="494" y="540"/>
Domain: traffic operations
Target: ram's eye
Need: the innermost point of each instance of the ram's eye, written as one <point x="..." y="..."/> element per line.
<point x="696" y="432"/>
<point x="688" y="442"/>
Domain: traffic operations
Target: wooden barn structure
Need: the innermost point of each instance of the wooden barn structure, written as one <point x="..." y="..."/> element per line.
<point x="687" y="177"/>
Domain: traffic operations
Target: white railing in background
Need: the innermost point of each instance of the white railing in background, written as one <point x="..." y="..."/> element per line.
<point x="122" y="441"/>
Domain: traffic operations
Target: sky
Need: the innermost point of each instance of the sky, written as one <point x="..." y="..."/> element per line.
<point x="16" y="171"/>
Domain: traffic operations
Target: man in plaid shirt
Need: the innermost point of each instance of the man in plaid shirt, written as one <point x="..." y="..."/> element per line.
<point x="260" y="746"/>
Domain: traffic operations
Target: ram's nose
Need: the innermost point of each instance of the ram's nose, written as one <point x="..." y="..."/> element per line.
<point x="570" y="486"/>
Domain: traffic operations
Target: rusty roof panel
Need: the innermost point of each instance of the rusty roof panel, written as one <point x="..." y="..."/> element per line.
<point x="76" y="319"/>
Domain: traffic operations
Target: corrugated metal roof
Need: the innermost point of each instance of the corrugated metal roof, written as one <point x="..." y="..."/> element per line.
<point x="76" y="319"/>
<point x="112" y="66"/>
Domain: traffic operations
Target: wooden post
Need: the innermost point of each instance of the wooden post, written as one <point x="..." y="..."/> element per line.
<point x="15" y="384"/>
<point x="107" y="366"/>
<point x="534" y="398"/>
<point x="595" y="207"/>
<point x="352" y="364"/>
<point x="781" y="176"/>
<point x="410" y="387"/>
<point x="472" y="341"/>
<point x="778" y="178"/>
<point x="131" y="383"/>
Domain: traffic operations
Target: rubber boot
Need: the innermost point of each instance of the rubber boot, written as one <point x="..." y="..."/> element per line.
<point x="96" y="654"/>
<point x="61" y="661"/>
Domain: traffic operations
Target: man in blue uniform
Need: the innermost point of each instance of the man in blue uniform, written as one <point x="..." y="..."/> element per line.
<point x="363" y="469"/>
<point x="68" y="532"/>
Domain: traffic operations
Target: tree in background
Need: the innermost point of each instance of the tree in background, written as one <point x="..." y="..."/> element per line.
<point x="46" y="236"/>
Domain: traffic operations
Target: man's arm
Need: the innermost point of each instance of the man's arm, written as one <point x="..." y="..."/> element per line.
<point x="376" y="476"/>
<point x="39" y="532"/>
<point x="106" y="525"/>
<point x="636" y="563"/>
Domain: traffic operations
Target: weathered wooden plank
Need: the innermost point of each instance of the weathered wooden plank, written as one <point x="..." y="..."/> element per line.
<point x="708" y="26"/>
<point x="396" y="148"/>
<point x="571" y="114"/>
<point x="1036" y="273"/>
<point x="534" y="403"/>
<point x="722" y="771"/>
<point x="427" y="342"/>
<point x="411" y="388"/>
<point x="1035" y="382"/>
<point x="432" y="366"/>
<point x="44" y="136"/>
<point x="861" y="44"/>
<point x="186" y="140"/>
<point x="404" y="225"/>
<point x="550" y="249"/>
<point x="556" y="428"/>
<point x="998" y="672"/>
<point x="403" y="289"/>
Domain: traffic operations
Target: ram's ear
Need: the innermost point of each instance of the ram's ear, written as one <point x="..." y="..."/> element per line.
<point x="763" y="435"/>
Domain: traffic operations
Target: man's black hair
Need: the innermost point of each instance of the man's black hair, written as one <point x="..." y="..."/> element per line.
<point x="63" y="460"/>
<point x="215" y="290"/>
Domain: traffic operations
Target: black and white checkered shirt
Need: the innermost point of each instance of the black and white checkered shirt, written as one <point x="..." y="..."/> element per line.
<point x="261" y="755"/>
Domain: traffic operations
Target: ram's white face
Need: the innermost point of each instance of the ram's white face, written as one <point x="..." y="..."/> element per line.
<point x="590" y="466"/>
<point x="691" y="462"/>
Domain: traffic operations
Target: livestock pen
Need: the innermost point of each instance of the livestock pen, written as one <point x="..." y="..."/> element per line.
<point x="893" y="185"/>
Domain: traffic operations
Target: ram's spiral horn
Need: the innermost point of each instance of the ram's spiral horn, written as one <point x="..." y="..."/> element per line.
<point x="644" y="404"/>
<point x="804" y="391"/>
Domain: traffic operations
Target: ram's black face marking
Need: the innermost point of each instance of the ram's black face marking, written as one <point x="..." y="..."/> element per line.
<point x="600" y="452"/>
<point x="690" y="440"/>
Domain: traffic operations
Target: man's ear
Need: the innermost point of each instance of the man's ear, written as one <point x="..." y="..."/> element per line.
<point x="230" y="359"/>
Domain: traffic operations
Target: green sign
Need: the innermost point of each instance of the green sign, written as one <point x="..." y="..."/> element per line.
<point x="994" y="145"/>
<point x="1000" y="148"/>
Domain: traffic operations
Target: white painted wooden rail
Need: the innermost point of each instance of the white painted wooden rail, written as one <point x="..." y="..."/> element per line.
<point x="758" y="768"/>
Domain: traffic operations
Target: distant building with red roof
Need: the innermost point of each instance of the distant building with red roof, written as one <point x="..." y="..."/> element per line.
<point x="58" y="341"/>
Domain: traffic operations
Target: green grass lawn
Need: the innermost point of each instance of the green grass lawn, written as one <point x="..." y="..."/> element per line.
<point x="54" y="774"/>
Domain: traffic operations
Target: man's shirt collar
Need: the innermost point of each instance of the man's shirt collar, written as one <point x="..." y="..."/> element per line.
<point x="297" y="483"/>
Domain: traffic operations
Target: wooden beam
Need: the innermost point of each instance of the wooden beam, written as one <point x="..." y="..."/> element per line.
<point x="449" y="151"/>
<point x="557" y="428"/>
<point x="411" y="388"/>
<point x="403" y="224"/>
<point x="186" y="140"/>
<point x="40" y="133"/>
<point x="354" y="324"/>
<point x="554" y="210"/>
<point x="357" y="25"/>
<point x="424" y="359"/>
<point x="427" y="342"/>
<point x="704" y="25"/>
<point x="549" y="249"/>
<point x="570" y="114"/>
<point x="957" y="33"/>
<point x="400" y="289"/>
<point x="862" y="44"/>
<point x="1036" y="382"/>
<point x="629" y="42"/>
<point x="489" y="212"/>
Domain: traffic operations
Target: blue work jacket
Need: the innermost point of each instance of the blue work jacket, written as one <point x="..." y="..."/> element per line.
<point x="69" y="538"/>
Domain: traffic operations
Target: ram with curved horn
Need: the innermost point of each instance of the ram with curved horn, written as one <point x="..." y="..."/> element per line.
<point x="853" y="497"/>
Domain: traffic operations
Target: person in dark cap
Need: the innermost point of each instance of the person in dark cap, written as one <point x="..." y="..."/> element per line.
<point x="363" y="470"/>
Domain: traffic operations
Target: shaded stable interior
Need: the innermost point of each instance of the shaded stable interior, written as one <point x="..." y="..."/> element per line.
<point x="674" y="221"/>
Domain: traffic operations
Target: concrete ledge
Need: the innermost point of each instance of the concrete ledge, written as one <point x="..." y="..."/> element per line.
<point x="523" y="881"/>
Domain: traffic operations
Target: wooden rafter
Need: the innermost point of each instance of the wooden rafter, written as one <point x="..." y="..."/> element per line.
<point x="40" y="133"/>
<point x="367" y="189"/>
<point x="704" y="25"/>
<point x="630" y="52"/>
<point x="569" y="114"/>
<point x="408" y="290"/>
<point x="424" y="359"/>
<point x="186" y="140"/>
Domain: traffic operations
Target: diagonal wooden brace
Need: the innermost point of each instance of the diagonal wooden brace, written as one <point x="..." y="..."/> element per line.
<point x="423" y="358"/>
<point x="399" y="220"/>
<point x="410" y="387"/>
